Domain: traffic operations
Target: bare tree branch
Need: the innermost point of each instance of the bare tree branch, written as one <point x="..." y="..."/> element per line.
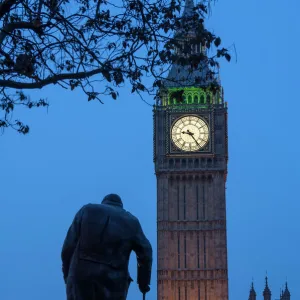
<point x="50" y="80"/>
<point x="9" y="28"/>
<point x="6" y="6"/>
<point x="73" y="42"/>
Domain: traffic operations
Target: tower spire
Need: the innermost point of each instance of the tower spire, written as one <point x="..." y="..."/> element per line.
<point x="192" y="73"/>
<point x="252" y="294"/>
<point x="188" y="8"/>
<point x="286" y="295"/>
<point x="267" y="292"/>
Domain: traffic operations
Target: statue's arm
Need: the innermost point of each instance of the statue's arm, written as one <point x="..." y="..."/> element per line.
<point x="70" y="243"/>
<point x="143" y="250"/>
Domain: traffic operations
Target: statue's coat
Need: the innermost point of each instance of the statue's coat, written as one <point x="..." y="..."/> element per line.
<point x="96" y="252"/>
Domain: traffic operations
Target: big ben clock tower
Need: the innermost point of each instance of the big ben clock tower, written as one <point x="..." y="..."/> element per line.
<point x="190" y="155"/>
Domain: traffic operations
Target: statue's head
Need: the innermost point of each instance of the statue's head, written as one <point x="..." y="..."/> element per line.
<point x="112" y="199"/>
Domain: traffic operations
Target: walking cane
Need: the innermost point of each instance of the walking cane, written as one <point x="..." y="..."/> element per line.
<point x="144" y="296"/>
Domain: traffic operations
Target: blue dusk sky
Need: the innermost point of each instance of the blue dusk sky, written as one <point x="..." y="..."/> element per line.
<point x="78" y="152"/>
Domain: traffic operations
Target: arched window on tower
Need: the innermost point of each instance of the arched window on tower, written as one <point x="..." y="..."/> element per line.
<point x="190" y="99"/>
<point x="196" y="99"/>
<point x="202" y="100"/>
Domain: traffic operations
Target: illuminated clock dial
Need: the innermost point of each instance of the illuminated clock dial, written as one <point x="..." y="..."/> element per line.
<point x="190" y="133"/>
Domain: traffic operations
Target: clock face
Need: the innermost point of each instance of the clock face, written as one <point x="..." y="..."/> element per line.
<point x="190" y="133"/>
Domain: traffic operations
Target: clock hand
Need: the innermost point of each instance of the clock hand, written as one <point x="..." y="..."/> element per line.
<point x="195" y="140"/>
<point x="192" y="135"/>
<point x="188" y="132"/>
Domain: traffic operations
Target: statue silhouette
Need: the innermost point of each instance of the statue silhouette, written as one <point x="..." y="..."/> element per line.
<point x="96" y="252"/>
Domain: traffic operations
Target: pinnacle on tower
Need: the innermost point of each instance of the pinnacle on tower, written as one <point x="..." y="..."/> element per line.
<point x="267" y="292"/>
<point x="286" y="295"/>
<point x="252" y="295"/>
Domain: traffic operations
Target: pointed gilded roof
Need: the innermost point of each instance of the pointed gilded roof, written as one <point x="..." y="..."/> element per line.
<point x="187" y="75"/>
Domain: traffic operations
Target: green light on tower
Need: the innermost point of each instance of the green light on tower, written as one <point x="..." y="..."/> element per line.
<point x="191" y="96"/>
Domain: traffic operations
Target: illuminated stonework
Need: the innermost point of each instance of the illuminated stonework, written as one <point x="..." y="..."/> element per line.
<point x="191" y="95"/>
